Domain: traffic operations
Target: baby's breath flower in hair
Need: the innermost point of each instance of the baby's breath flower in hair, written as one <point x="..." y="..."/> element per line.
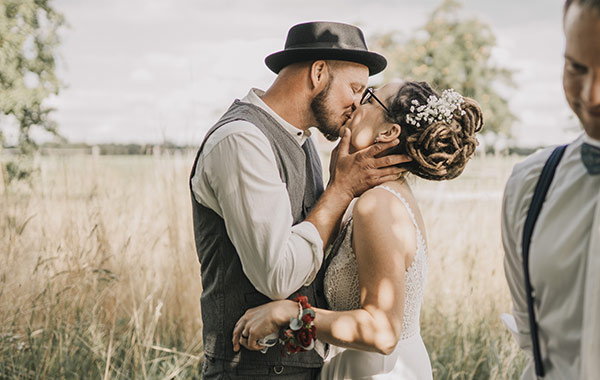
<point x="436" y="109"/>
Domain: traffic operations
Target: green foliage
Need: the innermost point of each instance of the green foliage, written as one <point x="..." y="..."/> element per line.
<point x="17" y="170"/>
<point x="453" y="52"/>
<point x="28" y="38"/>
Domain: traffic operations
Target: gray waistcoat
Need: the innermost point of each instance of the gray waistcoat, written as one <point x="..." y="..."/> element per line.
<point x="227" y="293"/>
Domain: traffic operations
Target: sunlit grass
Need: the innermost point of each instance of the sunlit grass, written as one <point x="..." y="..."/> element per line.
<point x="466" y="289"/>
<point x="99" y="276"/>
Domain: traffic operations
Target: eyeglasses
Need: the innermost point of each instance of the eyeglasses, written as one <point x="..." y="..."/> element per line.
<point x="368" y="97"/>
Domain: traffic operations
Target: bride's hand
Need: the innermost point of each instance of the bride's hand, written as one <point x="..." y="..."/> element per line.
<point x="261" y="321"/>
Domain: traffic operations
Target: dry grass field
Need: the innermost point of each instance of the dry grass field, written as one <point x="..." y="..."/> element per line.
<point x="99" y="277"/>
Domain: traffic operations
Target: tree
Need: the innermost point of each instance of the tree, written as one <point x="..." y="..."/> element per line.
<point x="28" y="39"/>
<point x="450" y="52"/>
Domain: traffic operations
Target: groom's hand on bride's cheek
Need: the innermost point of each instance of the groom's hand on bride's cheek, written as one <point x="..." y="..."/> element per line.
<point x="357" y="172"/>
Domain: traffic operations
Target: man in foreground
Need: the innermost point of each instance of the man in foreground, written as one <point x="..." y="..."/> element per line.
<point x="561" y="328"/>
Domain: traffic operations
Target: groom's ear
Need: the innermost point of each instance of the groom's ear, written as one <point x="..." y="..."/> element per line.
<point x="319" y="75"/>
<point x="389" y="134"/>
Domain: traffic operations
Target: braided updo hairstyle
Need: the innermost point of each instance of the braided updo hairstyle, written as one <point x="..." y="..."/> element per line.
<point x="439" y="150"/>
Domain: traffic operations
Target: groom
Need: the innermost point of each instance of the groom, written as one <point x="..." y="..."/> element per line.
<point x="261" y="217"/>
<point x="564" y="254"/>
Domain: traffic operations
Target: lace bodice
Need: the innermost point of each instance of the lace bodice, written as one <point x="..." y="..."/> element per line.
<point x="341" y="278"/>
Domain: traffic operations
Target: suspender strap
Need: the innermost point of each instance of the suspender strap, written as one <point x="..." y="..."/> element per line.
<point x="539" y="195"/>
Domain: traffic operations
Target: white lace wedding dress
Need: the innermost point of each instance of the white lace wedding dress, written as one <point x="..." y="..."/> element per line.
<point x="409" y="360"/>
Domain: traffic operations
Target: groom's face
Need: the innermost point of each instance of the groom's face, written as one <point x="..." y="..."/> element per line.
<point x="335" y="104"/>
<point x="581" y="75"/>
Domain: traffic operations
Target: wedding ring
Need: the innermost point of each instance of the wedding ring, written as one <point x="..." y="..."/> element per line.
<point x="245" y="336"/>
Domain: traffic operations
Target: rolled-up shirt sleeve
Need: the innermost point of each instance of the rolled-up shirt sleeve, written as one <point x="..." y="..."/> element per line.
<point x="239" y="179"/>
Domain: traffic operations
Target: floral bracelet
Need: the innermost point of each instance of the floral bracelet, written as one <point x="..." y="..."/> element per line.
<point x="300" y="335"/>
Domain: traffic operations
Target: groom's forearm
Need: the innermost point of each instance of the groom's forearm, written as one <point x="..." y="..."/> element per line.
<point x="327" y="213"/>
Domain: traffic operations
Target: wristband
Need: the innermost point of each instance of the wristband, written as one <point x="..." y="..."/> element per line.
<point x="300" y="334"/>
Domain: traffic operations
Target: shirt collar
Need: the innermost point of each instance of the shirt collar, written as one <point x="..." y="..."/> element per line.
<point x="591" y="141"/>
<point x="298" y="134"/>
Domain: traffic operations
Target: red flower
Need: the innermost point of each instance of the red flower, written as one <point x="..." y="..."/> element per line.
<point x="304" y="337"/>
<point x="291" y="348"/>
<point x="307" y="319"/>
<point x="303" y="301"/>
<point x="300" y="335"/>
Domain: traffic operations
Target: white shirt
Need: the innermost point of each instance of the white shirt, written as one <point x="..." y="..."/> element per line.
<point x="237" y="177"/>
<point x="564" y="264"/>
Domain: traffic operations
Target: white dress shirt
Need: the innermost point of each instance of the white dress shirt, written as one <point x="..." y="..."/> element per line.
<point x="564" y="264"/>
<point x="237" y="177"/>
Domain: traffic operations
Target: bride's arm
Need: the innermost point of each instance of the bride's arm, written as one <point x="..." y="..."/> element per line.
<point x="383" y="236"/>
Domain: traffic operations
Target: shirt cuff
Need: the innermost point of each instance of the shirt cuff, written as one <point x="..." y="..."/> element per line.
<point x="523" y="337"/>
<point x="308" y="232"/>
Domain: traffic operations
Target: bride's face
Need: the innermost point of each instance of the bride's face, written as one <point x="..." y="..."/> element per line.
<point x="368" y="121"/>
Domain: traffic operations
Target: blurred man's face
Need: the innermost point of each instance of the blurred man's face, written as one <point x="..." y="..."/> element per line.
<point x="334" y="106"/>
<point x="581" y="76"/>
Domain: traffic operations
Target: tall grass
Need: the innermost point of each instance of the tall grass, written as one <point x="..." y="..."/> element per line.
<point x="466" y="289"/>
<point x="99" y="277"/>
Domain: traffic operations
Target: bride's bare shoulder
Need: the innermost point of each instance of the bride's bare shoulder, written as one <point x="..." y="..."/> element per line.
<point x="383" y="226"/>
<point x="381" y="204"/>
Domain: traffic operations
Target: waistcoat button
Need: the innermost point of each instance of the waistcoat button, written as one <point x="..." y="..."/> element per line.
<point x="278" y="369"/>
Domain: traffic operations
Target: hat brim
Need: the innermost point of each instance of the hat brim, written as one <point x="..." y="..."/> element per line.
<point x="276" y="61"/>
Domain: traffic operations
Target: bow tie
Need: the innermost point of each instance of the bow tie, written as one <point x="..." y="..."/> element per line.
<point x="590" y="155"/>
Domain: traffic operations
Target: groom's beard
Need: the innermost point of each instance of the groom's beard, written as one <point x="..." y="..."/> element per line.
<point x="323" y="114"/>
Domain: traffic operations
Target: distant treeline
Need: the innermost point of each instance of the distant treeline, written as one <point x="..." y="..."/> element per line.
<point x="52" y="148"/>
<point x="55" y="148"/>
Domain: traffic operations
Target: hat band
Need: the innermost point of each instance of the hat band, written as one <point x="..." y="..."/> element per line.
<point x="326" y="45"/>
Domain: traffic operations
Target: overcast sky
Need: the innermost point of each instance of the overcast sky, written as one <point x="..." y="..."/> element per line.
<point x="149" y="70"/>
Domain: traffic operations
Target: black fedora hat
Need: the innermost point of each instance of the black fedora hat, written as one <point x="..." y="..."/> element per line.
<point x="325" y="40"/>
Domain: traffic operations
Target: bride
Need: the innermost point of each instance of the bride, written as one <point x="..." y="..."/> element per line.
<point x="377" y="269"/>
